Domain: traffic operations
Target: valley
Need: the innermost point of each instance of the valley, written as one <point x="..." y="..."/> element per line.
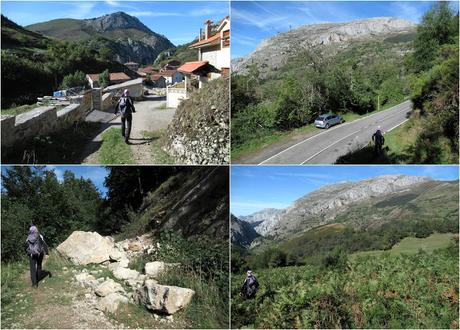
<point x="375" y="253"/>
<point x="359" y="69"/>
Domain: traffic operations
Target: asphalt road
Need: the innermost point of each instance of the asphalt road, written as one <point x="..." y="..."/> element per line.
<point x="327" y="145"/>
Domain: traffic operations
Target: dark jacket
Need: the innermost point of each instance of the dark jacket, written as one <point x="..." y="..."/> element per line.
<point x="377" y="137"/>
<point x="128" y="109"/>
<point x="250" y="287"/>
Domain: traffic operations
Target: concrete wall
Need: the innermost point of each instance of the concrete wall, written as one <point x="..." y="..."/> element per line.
<point x="134" y="86"/>
<point x="174" y="96"/>
<point x="43" y="120"/>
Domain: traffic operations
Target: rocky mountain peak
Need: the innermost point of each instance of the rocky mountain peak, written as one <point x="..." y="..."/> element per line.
<point x="275" y="51"/>
<point x="118" y="20"/>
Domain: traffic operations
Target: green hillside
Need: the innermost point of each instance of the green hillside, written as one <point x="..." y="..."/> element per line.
<point x="34" y="65"/>
<point x="66" y="28"/>
<point x="181" y="53"/>
<point x="412" y="245"/>
<point x="384" y="291"/>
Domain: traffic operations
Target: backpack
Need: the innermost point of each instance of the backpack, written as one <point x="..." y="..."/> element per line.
<point x="379" y="137"/>
<point x="251" y="287"/>
<point x="35" y="247"/>
<point x="123" y="104"/>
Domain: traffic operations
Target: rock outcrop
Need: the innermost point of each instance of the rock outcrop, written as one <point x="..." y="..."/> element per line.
<point x="199" y="132"/>
<point x="163" y="298"/>
<point x="242" y="232"/>
<point x="274" y="52"/>
<point x="323" y="205"/>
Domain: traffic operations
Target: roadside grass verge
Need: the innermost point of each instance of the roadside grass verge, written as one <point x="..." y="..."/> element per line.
<point x="114" y="150"/>
<point x="398" y="147"/>
<point x="270" y="136"/>
<point x="159" y="155"/>
<point x="62" y="147"/>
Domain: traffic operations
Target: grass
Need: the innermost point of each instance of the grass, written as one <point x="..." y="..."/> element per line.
<point x="62" y="147"/>
<point x="18" y="110"/>
<point x="159" y="155"/>
<point x="273" y="136"/>
<point x="270" y="138"/>
<point x="412" y="245"/>
<point x="114" y="150"/>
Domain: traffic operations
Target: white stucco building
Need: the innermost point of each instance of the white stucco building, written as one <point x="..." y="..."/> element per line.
<point x="214" y="46"/>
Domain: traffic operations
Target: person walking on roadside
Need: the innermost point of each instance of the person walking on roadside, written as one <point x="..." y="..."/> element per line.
<point x="378" y="140"/>
<point x="36" y="248"/>
<point x="250" y="286"/>
<point x="125" y="106"/>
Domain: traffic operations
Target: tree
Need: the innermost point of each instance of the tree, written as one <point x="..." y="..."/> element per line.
<point x="77" y="79"/>
<point x="104" y="78"/>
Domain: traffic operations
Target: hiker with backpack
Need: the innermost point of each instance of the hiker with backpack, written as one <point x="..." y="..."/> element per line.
<point x="378" y="140"/>
<point x="250" y="286"/>
<point x="36" y="248"/>
<point x="125" y="106"/>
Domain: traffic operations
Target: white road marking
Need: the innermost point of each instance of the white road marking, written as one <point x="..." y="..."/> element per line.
<point x="329" y="147"/>
<point x="397" y="125"/>
<point x="329" y="130"/>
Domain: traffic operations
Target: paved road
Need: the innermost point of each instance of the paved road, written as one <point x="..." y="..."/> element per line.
<point x="327" y="145"/>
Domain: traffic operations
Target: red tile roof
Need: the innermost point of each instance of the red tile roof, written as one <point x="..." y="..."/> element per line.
<point x="167" y="73"/>
<point x="147" y="69"/>
<point x="189" y="67"/>
<point x="215" y="39"/>
<point x="113" y="76"/>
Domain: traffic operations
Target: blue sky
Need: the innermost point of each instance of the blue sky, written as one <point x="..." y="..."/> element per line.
<point x="254" y="21"/>
<point x="96" y="174"/>
<point x="254" y="188"/>
<point x="179" y="21"/>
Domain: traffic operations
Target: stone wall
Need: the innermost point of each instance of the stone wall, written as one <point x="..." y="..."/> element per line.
<point x="107" y="102"/>
<point x="43" y="120"/>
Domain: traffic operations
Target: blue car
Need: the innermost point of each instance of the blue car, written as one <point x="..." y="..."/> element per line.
<point x="328" y="120"/>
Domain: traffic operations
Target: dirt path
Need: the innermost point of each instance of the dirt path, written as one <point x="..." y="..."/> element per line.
<point x="149" y="117"/>
<point x="59" y="303"/>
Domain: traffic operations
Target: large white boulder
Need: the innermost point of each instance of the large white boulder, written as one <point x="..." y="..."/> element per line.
<point x="163" y="298"/>
<point x="111" y="302"/>
<point x="86" y="247"/>
<point x="125" y="273"/>
<point x="108" y="287"/>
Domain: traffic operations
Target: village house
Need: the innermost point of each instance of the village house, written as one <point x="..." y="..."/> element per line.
<point x="158" y="81"/>
<point x="115" y="78"/>
<point x="172" y="65"/>
<point x="213" y="61"/>
<point x="214" y="46"/>
<point x="171" y="76"/>
<point x="132" y="66"/>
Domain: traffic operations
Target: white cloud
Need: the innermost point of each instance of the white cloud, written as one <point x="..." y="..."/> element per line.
<point x="260" y="20"/>
<point x="153" y="14"/>
<point x="81" y="9"/>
